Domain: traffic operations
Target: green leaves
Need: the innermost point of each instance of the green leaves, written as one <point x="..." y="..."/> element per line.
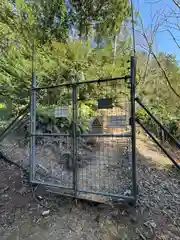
<point x="62" y="57"/>
<point x="155" y="92"/>
<point x="100" y="19"/>
<point x="19" y="4"/>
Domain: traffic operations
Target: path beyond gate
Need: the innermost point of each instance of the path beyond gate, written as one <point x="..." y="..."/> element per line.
<point x="69" y="155"/>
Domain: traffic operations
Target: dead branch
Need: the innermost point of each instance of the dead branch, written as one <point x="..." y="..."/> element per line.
<point x="162" y="69"/>
<point x="150" y="44"/>
<point x="174" y="38"/>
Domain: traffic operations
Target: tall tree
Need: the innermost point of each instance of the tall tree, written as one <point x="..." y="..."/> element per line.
<point x="52" y="19"/>
<point x="103" y="17"/>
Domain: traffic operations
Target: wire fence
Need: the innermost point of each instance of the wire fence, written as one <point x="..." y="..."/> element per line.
<point x="83" y="141"/>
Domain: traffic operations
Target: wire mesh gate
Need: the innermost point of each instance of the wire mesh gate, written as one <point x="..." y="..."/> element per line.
<point x="83" y="138"/>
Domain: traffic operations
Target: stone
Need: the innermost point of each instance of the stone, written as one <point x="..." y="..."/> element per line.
<point x="45" y="213"/>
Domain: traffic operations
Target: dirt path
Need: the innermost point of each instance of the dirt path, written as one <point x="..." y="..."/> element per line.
<point x="156" y="216"/>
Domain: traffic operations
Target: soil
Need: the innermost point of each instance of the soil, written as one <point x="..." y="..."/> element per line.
<point x="155" y="217"/>
<point x="102" y="167"/>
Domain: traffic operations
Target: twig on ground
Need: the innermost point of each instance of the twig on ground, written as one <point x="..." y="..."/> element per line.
<point x="140" y="234"/>
<point x="5" y="189"/>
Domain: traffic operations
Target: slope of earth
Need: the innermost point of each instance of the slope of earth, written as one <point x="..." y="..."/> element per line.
<point x="156" y="216"/>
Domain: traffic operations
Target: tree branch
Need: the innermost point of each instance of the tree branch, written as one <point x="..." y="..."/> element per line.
<point x="174" y="38"/>
<point x="165" y="75"/>
<point x="162" y="69"/>
<point x="146" y="68"/>
<point x="177" y="3"/>
<point x="157" y="61"/>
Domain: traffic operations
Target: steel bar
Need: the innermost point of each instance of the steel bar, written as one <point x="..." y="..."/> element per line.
<point x="62" y="190"/>
<point x="133" y="125"/>
<point x="85" y="82"/>
<point x="159" y="145"/>
<point x="33" y="128"/>
<point x="74" y="106"/>
<point x="49" y="184"/>
<point x="128" y="134"/>
<point x="156" y="120"/>
<point x="50" y="134"/>
<point x="107" y="194"/>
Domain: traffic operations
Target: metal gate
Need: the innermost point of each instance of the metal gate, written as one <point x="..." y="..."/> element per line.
<point x="83" y="138"/>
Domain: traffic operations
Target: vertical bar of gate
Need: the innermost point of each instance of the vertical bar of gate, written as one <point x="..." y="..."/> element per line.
<point x="133" y="125"/>
<point x="74" y="102"/>
<point x="33" y="128"/>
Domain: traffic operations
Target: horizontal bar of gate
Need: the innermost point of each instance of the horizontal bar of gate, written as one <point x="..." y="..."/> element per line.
<point x="105" y="135"/>
<point x="119" y="196"/>
<point x="37" y="182"/>
<point x="84" y="82"/>
<point x="50" y="134"/>
<point x="71" y="192"/>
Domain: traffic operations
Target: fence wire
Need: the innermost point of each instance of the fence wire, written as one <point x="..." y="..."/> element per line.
<point x="97" y="157"/>
<point x="82" y="139"/>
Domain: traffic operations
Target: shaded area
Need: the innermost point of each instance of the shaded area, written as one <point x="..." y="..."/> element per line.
<point x="156" y="215"/>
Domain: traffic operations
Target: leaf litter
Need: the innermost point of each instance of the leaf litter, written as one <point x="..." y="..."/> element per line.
<point x="155" y="217"/>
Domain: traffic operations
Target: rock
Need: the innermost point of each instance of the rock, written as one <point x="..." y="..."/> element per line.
<point x="45" y="213"/>
<point x="39" y="198"/>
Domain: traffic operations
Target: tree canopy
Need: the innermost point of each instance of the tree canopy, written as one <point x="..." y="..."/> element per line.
<point x="78" y="40"/>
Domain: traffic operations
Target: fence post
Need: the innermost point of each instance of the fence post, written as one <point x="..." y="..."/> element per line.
<point x="133" y="125"/>
<point x="33" y="128"/>
<point x="74" y="120"/>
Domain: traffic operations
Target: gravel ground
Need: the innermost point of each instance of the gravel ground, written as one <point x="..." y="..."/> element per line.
<point x="156" y="216"/>
<point x="106" y="168"/>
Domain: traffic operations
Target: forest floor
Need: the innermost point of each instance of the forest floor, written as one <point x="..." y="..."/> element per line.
<point x="157" y="215"/>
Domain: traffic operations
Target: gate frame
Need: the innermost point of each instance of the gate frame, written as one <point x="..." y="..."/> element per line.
<point x="73" y="192"/>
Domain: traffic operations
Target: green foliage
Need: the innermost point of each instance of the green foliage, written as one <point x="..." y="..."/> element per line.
<point x="5" y="108"/>
<point x="61" y="57"/>
<point x="156" y="93"/>
<point x="85" y="111"/>
<point x="52" y="20"/>
<point x="103" y="18"/>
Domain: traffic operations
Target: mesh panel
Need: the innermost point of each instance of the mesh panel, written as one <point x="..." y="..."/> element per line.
<point x="107" y="165"/>
<point x="82" y="139"/>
